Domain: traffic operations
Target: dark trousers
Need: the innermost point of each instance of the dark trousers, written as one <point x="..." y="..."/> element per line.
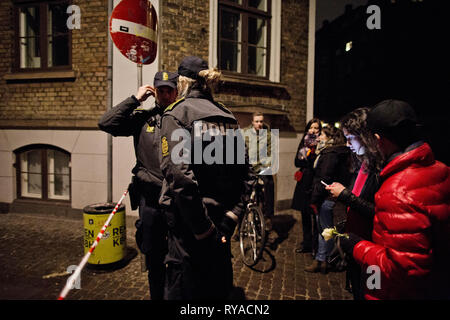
<point x="269" y="196"/>
<point x="356" y="279"/>
<point x="151" y="238"/>
<point x="197" y="269"/>
<point x="309" y="228"/>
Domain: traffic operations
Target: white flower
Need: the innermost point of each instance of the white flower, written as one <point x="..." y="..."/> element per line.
<point x="328" y="233"/>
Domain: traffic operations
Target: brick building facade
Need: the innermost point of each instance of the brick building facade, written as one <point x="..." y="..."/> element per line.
<point x="76" y="97"/>
<point x="48" y="116"/>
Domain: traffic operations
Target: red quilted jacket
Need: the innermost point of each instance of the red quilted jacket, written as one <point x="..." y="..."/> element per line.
<point x="411" y="235"/>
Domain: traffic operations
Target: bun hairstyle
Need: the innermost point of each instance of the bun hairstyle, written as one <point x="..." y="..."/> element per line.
<point x="211" y="76"/>
<point x="207" y="82"/>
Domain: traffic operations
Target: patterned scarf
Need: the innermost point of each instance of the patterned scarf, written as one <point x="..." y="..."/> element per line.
<point x="322" y="145"/>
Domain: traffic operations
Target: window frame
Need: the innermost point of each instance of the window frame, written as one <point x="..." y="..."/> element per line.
<point x="43" y="35"/>
<point x="43" y="148"/>
<point x="245" y="12"/>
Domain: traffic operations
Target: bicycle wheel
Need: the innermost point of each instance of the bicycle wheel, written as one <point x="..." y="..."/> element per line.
<point x="252" y="236"/>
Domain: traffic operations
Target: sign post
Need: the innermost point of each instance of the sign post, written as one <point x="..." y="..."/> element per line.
<point x="133" y="28"/>
<point x="139" y="75"/>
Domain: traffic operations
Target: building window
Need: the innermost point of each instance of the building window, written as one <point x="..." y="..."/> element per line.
<point x="43" y="172"/>
<point x="42" y="40"/>
<point x="244" y="36"/>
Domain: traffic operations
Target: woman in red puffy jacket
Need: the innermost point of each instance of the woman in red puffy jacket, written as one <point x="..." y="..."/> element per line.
<point x="409" y="255"/>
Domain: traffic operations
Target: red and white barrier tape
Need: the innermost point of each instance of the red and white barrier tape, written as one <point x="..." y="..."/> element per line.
<point x="71" y="280"/>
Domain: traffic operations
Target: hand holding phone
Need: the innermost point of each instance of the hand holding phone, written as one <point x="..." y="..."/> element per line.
<point x="335" y="189"/>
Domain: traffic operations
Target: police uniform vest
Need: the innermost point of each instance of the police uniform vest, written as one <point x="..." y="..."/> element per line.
<point x="147" y="148"/>
<point x="220" y="183"/>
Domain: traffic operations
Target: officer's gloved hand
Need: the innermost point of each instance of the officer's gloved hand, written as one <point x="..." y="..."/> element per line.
<point x="227" y="226"/>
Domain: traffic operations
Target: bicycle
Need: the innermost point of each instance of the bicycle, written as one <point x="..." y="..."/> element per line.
<point x="252" y="231"/>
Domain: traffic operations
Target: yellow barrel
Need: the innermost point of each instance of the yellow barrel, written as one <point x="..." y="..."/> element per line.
<point x="112" y="248"/>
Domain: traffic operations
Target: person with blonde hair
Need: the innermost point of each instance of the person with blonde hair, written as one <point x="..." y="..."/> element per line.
<point x="204" y="193"/>
<point x="205" y="80"/>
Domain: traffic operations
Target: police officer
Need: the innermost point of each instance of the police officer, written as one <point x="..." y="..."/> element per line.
<point x="207" y="183"/>
<point x="129" y="119"/>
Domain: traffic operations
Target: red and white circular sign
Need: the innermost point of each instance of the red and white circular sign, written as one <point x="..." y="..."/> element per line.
<point x="133" y="28"/>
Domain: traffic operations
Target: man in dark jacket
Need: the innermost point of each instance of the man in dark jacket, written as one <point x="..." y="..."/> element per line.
<point x="206" y="186"/>
<point x="129" y="119"/>
<point x="409" y="255"/>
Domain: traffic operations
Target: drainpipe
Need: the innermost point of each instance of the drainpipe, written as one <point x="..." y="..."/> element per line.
<point x="109" y="101"/>
<point x="310" y="68"/>
<point x="159" y="34"/>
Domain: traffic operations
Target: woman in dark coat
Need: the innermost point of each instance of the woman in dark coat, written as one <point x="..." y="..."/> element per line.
<point x="359" y="196"/>
<point x="332" y="164"/>
<point x="304" y="159"/>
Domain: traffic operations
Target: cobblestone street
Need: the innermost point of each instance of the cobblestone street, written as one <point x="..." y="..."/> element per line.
<point x="35" y="251"/>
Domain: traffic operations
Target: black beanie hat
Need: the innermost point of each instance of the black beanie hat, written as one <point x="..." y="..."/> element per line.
<point x="389" y="114"/>
<point x="396" y="120"/>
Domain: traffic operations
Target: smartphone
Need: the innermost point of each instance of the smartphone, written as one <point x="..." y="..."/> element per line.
<point x="321" y="181"/>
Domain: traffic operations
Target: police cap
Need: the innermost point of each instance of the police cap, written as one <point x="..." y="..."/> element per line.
<point x="165" y="78"/>
<point x="191" y="66"/>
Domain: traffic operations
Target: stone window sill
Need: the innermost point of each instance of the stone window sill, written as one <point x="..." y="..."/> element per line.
<point x="40" y="76"/>
<point x="232" y="79"/>
<point x="253" y="87"/>
<point x="267" y="110"/>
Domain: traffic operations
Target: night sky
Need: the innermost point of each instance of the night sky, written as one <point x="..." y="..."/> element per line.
<point x="331" y="9"/>
<point x="408" y="65"/>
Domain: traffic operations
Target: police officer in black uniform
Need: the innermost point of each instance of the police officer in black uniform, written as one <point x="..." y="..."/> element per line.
<point x="204" y="191"/>
<point x="129" y="119"/>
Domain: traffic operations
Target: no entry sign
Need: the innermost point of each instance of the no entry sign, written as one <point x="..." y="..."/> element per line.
<point x="133" y="29"/>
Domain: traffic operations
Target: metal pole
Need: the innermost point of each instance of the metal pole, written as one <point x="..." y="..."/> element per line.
<point x="139" y="75"/>
<point x="139" y="84"/>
